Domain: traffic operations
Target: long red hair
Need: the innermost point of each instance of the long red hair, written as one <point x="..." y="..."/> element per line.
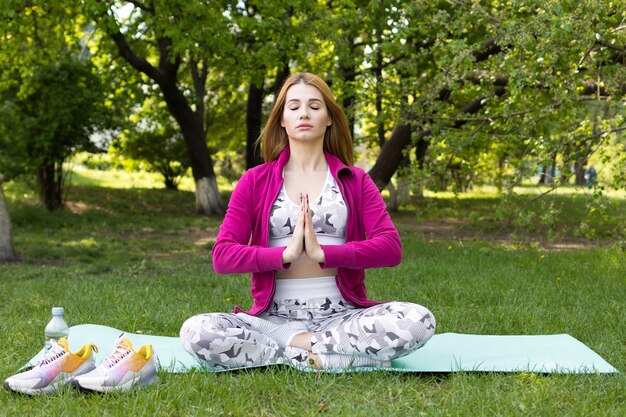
<point x="337" y="139"/>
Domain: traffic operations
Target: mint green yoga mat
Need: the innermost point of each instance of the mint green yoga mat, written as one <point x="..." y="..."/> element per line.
<point x="447" y="352"/>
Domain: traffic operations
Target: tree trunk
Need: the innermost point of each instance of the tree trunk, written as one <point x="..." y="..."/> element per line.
<point x="281" y="76"/>
<point x="207" y="194"/>
<point x="543" y="177"/>
<point x="579" y="172"/>
<point x="552" y="171"/>
<point x="348" y="99"/>
<point x="254" y="114"/>
<point x="50" y="183"/>
<point x="380" y="125"/>
<point x="347" y="72"/>
<point x="208" y="200"/>
<point x="6" y="240"/>
<point x="500" y="173"/>
<point x="170" y="184"/>
<point x="390" y="156"/>
<point x="420" y="149"/>
<point x="400" y="195"/>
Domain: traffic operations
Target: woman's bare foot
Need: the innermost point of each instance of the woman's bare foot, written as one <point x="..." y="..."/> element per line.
<point x="302" y="341"/>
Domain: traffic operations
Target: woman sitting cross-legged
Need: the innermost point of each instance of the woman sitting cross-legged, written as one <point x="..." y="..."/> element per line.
<point x="306" y="224"/>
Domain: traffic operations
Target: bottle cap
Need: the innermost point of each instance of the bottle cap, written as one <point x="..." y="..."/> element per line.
<point x="57" y="311"/>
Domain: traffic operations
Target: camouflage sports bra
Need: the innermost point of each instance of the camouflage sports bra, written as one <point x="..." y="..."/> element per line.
<point x="329" y="216"/>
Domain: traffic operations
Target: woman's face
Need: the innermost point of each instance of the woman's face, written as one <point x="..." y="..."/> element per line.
<point x="305" y="115"/>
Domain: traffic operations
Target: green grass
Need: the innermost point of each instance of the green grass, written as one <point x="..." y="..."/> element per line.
<point x="130" y="179"/>
<point x="139" y="260"/>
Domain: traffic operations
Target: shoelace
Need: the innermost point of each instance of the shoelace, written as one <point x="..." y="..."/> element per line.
<point x="55" y="352"/>
<point x="120" y="351"/>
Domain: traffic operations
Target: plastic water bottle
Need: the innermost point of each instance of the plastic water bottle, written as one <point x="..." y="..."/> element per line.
<point x="56" y="327"/>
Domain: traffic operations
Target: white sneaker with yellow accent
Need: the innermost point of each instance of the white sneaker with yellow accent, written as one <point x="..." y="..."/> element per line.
<point x="124" y="369"/>
<point x="56" y="369"/>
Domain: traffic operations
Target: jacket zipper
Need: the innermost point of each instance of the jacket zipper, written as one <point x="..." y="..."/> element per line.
<point x="342" y="288"/>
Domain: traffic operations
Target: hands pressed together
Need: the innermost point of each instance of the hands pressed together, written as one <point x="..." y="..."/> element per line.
<point x="303" y="239"/>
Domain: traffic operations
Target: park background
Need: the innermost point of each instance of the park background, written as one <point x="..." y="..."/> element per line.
<point x="124" y="126"/>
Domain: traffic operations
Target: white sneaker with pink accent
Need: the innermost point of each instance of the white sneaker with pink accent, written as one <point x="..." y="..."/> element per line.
<point x="123" y="370"/>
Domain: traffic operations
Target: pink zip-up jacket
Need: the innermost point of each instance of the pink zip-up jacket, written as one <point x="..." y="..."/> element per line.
<point x="371" y="238"/>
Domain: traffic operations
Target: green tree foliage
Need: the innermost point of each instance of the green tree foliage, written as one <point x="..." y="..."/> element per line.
<point x="52" y="98"/>
<point x="455" y="92"/>
<point x="52" y="116"/>
<point x="493" y="89"/>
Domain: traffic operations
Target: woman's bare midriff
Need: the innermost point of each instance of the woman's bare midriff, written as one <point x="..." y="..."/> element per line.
<point x="305" y="267"/>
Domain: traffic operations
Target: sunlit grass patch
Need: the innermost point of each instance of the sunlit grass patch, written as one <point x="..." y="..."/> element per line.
<point x="83" y="176"/>
<point x="117" y="178"/>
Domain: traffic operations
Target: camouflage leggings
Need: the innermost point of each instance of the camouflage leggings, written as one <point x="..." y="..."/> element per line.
<point x="382" y="332"/>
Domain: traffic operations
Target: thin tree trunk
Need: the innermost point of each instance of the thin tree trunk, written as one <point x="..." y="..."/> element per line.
<point x="50" y="183"/>
<point x="6" y="239"/>
<point x="348" y="100"/>
<point x="401" y="194"/>
<point x="544" y="174"/>
<point x="348" y="74"/>
<point x="208" y="200"/>
<point x="552" y="175"/>
<point x="404" y="184"/>
<point x="254" y="114"/>
<point x="392" y="202"/>
<point x="579" y="171"/>
<point x="499" y="173"/>
<point x="380" y="125"/>
<point x="281" y="76"/>
<point x="170" y="184"/>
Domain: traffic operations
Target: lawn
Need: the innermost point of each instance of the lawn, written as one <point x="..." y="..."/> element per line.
<point x="139" y="259"/>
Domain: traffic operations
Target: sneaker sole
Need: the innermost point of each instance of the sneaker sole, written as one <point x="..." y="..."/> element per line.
<point x="21" y="391"/>
<point x="36" y="391"/>
<point x="58" y="382"/>
<point x="135" y="381"/>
